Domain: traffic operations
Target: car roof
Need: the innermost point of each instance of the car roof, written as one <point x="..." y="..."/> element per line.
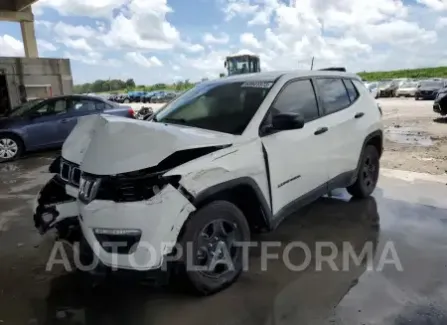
<point x="77" y="97"/>
<point x="273" y="75"/>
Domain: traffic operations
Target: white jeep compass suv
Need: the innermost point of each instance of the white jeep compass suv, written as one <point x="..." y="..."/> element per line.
<point x="226" y="158"/>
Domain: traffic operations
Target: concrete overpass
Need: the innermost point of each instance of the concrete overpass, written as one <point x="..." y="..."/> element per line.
<point x="20" y="11"/>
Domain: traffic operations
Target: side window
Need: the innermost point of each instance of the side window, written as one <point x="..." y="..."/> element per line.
<point x="298" y="97"/>
<point x="83" y="105"/>
<point x="53" y="107"/>
<point x="333" y="94"/>
<point x="100" y="106"/>
<point x="352" y="91"/>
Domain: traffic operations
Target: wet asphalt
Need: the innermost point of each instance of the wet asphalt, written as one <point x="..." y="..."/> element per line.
<point x="404" y="224"/>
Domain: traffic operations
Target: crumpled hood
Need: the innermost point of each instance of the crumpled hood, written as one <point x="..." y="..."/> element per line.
<point x="110" y="145"/>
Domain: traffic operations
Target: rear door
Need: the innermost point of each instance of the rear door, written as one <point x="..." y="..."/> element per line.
<point x="297" y="159"/>
<point x="342" y="115"/>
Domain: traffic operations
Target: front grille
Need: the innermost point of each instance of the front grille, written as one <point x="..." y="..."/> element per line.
<point x="129" y="190"/>
<point x="70" y="172"/>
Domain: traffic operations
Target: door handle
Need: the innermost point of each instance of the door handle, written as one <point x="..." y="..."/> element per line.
<point x="359" y="115"/>
<point x="321" y="130"/>
<point x="65" y="120"/>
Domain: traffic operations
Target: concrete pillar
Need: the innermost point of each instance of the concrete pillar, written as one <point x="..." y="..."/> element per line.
<point x="29" y="37"/>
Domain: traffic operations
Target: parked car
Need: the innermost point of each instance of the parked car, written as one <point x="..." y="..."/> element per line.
<point x="158" y="97"/>
<point x="373" y="88"/>
<point x="428" y="89"/>
<point x="147" y="98"/>
<point x="47" y="123"/>
<point x="224" y="168"/>
<point x="440" y="103"/>
<point x="407" y="89"/>
<point x="387" y="88"/>
<point x="136" y="96"/>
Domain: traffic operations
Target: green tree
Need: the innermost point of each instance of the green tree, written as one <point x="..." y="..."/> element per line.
<point x="130" y="83"/>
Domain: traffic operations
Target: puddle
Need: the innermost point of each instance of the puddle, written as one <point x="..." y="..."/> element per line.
<point x="406" y="135"/>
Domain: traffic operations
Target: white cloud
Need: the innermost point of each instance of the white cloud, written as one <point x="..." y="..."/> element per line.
<point x="234" y="8"/>
<point x="143" y="26"/>
<point x="211" y="39"/>
<point x="248" y="39"/>
<point x="191" y="48"/>
<point x="437" y="5"/>
<point x="77" y="44"/>
<point x="88" y="8"/>
<point x="362" y="35"/>
<point x="66" y="30"/>
<point x="9" y="46"/>
<point x="91" y="58"/>
<point x="45" y="46"/>
<point x="140" y="59"/>
<point x="442" y="22"/>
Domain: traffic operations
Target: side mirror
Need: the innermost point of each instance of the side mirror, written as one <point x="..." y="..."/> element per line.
<point x="287" y="121"/>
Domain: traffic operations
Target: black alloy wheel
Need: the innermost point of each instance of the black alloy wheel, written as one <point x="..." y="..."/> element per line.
<point x="368" y="173"/>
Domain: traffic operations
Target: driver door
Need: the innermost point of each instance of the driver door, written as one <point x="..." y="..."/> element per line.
<point x="297" y="159"/>
<point x="44" y="127"/>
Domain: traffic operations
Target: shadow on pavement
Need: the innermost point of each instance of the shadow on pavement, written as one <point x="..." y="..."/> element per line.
<point x="275" y="296"/>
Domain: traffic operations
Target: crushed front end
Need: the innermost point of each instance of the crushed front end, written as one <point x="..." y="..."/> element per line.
<point x="55" y="208"/>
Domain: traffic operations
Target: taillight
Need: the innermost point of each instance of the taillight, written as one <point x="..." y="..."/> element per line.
<point x="131" y="112"/>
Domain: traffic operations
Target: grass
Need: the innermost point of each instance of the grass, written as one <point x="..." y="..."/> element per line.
<point x="437" y="72"/>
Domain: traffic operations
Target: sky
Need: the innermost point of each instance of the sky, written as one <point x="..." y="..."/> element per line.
<point x="155" y="41"/>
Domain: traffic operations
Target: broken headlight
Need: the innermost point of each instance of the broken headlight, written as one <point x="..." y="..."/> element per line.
<point x="129" y="187"/>
<point x="88" y="188"/>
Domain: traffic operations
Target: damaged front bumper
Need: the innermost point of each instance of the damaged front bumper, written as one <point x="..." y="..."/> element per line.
<point x="54" y="208"/>
<point x="135" y="235"/>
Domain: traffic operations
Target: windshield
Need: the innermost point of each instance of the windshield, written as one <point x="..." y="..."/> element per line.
<point x="434" y="84"/>
<point x="243" y="64"/>
<point x="224" y="107"/>
<point x="21" y="110"/>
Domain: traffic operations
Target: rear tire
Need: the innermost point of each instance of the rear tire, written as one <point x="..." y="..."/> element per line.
<point x="367" y="175"/>
<point x="11" y="147"/>
<point x="203" y="230"/>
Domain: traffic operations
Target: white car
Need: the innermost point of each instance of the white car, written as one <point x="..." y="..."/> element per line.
<point x="407" y="89"/>
<point x="229" y="157"/>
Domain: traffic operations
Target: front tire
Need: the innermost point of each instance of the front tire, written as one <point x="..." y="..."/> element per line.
<point x="212" y="232"/>
<point x="368" y="173"/>
<point x="11" y="147"/>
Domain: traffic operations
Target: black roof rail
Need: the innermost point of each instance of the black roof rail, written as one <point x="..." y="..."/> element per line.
<point x="341" y="69"/>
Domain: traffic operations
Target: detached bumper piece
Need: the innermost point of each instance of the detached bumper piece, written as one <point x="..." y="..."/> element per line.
<point x="54" y="208"/>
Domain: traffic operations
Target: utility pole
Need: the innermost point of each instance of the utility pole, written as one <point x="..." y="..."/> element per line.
<point x="312" y="64"/>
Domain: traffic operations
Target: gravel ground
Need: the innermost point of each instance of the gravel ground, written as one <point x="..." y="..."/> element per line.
<point x="415" y="136"/>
